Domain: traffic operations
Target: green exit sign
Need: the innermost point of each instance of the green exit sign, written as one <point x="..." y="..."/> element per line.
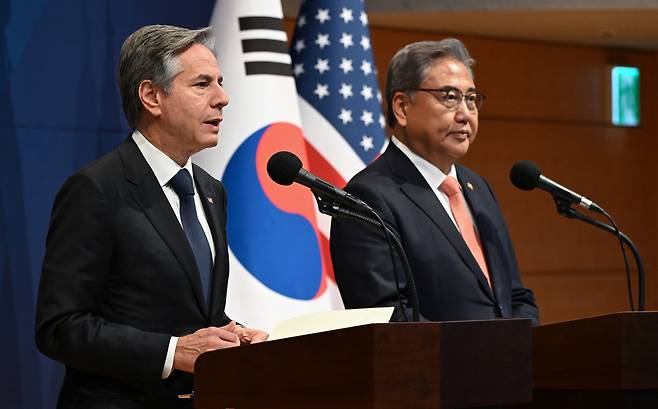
<point x="625" y="96"/>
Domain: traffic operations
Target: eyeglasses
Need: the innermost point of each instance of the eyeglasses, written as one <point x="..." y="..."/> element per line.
<point x="451" y="97"/>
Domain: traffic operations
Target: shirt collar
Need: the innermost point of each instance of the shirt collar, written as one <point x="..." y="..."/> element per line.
<point x="433" y="175"/>
<point x="162" y="165"/>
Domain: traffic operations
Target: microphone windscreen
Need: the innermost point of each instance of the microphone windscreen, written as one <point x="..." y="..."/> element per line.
<point x="283" y="167"/>
<point x="525" y="175"/>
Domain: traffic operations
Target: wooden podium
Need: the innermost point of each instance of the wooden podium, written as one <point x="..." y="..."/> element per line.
<point x="402" y="365"/>
<point x="610" y="361"/>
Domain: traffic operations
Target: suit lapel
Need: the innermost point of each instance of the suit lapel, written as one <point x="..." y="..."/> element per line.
<point x="211" y="206"/>
<point x="422" y="195"/>
<point x="151" y="199"/>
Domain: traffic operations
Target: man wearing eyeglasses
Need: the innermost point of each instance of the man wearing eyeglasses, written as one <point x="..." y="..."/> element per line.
<point x="445" y="215"/>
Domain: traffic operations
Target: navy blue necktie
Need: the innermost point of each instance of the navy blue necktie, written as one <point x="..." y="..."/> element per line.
<point x="182" y="185"/>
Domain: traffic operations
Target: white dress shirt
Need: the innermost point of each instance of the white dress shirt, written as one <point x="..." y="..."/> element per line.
<point x="164" y="169"/>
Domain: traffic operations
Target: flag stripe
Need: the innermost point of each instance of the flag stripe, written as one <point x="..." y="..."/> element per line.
<point x="266" y="67"/>
<point x="261" y="22"/>
<point x="264" y="33"/>
<point x="266" y="56"/>
<point x="322" y="136"/>
<point x="264" y="44"/>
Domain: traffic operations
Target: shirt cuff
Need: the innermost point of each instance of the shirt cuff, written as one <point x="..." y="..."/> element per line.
<point x="169" y="360"/>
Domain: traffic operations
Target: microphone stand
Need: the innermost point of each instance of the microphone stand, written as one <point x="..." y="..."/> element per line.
<point x="333" y="208"/>
<point x="564" y="208"/>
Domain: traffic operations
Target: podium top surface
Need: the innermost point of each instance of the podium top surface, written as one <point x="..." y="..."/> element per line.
<point x="609" y="352"/>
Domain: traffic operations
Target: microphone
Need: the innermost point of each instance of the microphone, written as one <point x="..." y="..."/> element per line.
<point x="285" y="168"/>
<point x="526" y="176"/>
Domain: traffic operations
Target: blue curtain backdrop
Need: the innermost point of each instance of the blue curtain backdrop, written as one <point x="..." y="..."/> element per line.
<point x="59" y="109"/>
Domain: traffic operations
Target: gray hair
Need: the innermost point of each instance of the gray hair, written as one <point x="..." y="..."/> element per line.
<point x="151" y="53"/>
<point x="411" y="65"/>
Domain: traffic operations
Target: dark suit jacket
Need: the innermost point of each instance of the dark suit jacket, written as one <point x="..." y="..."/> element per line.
<point x="451" y="285"/>
<point x="119" y="279"/>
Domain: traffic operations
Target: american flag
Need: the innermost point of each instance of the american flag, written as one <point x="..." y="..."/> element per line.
<point x="335" y="74"/>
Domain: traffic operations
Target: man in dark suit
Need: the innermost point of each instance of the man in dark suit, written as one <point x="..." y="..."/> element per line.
<point x="134" y="278"/>
<point x="445" y="215"/>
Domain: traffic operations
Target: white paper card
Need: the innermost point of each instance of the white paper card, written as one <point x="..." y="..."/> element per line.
<point x="330" y="320"/>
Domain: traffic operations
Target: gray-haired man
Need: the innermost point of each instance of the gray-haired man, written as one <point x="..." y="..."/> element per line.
<point x="134" y="279"/>
<point x="445" y="215"/>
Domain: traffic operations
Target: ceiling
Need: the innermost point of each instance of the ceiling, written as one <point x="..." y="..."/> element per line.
<point x="605" y="23"/>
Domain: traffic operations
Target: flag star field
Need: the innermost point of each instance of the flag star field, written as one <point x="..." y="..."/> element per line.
<point x="334" y="71"/>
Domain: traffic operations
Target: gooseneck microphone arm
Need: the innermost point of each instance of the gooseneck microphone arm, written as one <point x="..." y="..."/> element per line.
<point x="285" y="168"/>
<point x="564" y="209"/>
<point x="526" y="176"/>
<point x="334" y="209"/>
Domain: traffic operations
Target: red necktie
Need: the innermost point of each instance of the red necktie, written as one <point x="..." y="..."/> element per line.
<point x="451" y="187"/>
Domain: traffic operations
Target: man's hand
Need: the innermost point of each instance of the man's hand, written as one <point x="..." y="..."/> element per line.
<point x="191" y="346"/>
<point x="249" y="335"/>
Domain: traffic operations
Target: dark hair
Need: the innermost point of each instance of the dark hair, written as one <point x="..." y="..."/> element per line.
<point x="411" y="64"/>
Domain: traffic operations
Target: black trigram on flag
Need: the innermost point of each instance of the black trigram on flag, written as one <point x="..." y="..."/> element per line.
<point x="264" y="46"/>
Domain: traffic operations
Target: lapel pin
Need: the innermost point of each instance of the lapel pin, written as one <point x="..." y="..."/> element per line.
<point x="470" y="185"/>
<point x="210" y="200"/>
